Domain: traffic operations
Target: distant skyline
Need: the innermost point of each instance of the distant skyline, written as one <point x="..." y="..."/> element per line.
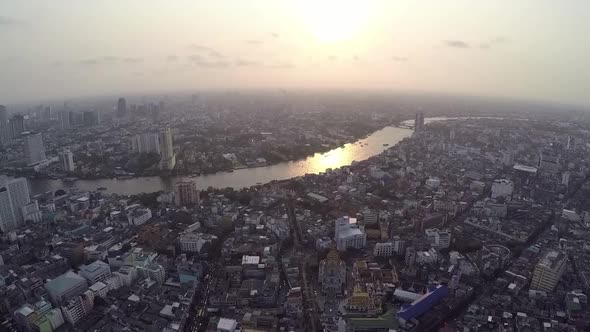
<point x="528" y="49"/>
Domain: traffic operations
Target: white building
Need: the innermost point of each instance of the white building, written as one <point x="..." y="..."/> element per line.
<point x="34" y="149"/>
<point x="31" y="212"/>
<point x="548" y="271"/>
<point x="138" y="216"/>
<point x="227" y="325"/>
<point x="502" y="188"/>
<point x="168" y="158"/>
<point x="99" y="289"/>
<point x="127" y="274"/>
<point x="146" y="143"/>
<point x="66" y="159"/>
<point x="427" y="257"/>
<point x="77" y="308"/>
<point x="438" y="238"/>
<point x="14" y="195"/>
<point x="95" y="272"/>
<point x="55" y="317"/>
<point x="153" y="271"/>
<point x="348" y="234"/>
<point x="193" y="242"/>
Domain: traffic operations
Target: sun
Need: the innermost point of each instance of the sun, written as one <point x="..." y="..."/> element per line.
<point x="333" y="20"/>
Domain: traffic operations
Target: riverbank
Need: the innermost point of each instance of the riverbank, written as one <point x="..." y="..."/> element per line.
<point x="373" y="144"/>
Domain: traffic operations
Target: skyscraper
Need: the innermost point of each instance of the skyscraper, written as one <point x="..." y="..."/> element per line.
<point x="168" y="159"/>
<point x="34" y="149"/>
<point x="121" y="107"/>
<point x="5" y="134"/>
<point x="65" y="121"/>
<point x="66" y="158"/>
<point x="17" y="125"/>
<point x="14" y="195"/>
<point x="419" y="122"/>
<point x="146" y="143"/>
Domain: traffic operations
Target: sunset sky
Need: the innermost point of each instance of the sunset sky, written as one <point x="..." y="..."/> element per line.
<point x="531" y="49"/>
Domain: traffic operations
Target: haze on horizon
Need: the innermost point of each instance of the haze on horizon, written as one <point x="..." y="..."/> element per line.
<point x="528" y="49"/>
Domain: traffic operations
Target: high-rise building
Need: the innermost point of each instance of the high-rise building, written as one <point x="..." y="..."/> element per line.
<point x="5" y="133"/>
<point x="14" y="195"/>
<point x="95" y="272"/>
<point x="34" y="149"/>
<point x="121" y="107"/>
<point x="65" y="120"/>
<point x="46" y="114"/>
<point x="17" y="125"/>
<point x="168" y="159"/>
<point x="186" y="193"/>
<point x="502" y="188"/>
<point x="91" y="118"/>
<point x="548" y="271"/>
<point x="146" y="143"/>
<point x="66" y="159"/>
<point x="419" y="122"/>
<point x="7" y="217"/>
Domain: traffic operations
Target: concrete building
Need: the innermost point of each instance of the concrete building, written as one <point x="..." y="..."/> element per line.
<point x="31" y="212"/>
<point x="95" y="272"/>
<point x="34" y="149"/>
<point x="153" y="271"/>
<point x="227" y="325"/>
<point x="146" y="143"/>
<point x="168" y="158"/>
<point x="502" y="188"/>
<point x="186" y="193"/>
<point x="548" y="271"/>
<point x="138" y="216"/>
<point x="384" y="249"/>
<point x="419" y="122"/>
<point x="194" y="242"/>
<point x="332" y="274"/>
<point x="66" y="159"/>
<point x="65" y="120"/>
<point x="5" y="134"/>
<point x="65" y="287"/>
<point x="17" y="125"/>
<point x="100" y="289"/>
<point x="423" y="303"/>
<point x="348" y="234"/>
<point x="14" y="195"/>
<point x="438" y="238"/>
<point x="121" y="107"/>
<point x="77" y="308"/>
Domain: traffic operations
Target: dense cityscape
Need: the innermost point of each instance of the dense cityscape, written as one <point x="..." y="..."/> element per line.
<point x="466" y="224"/>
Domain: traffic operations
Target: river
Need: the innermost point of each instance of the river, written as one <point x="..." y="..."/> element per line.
<point x="319" y="162"/>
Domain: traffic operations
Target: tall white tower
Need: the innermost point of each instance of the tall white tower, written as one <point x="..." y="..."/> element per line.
<point x="13" y="193"/>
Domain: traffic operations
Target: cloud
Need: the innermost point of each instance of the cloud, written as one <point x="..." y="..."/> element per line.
<point x="248" y="63"/>
<point x="9" y="22"/>
<point x="356" y="58"/>
<point x="206" y="50"/>
<point x="57" y="63"/>
<point x="281" y="65"/>
<point x="493" y="43"/>
<point x="132" y="61"/>
<point x="457" y="44"/>
<point x="110" y="59"/>
<point x="333" y="58"/>
<point x="89" y="62"/>
<point x="171" y="58"/>
<point x="275" y="35"/>
<point x="254" y="42"/>
<point x="399" y="58"/>
<point x="198" y="60"/>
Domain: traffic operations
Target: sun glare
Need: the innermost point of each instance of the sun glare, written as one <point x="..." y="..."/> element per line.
<point x="334" y="20"/>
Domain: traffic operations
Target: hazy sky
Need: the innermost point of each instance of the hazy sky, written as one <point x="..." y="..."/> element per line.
<point x="534" y="49"/>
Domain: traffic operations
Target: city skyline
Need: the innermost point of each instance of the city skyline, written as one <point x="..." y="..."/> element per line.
<point x="527" y="50"/>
